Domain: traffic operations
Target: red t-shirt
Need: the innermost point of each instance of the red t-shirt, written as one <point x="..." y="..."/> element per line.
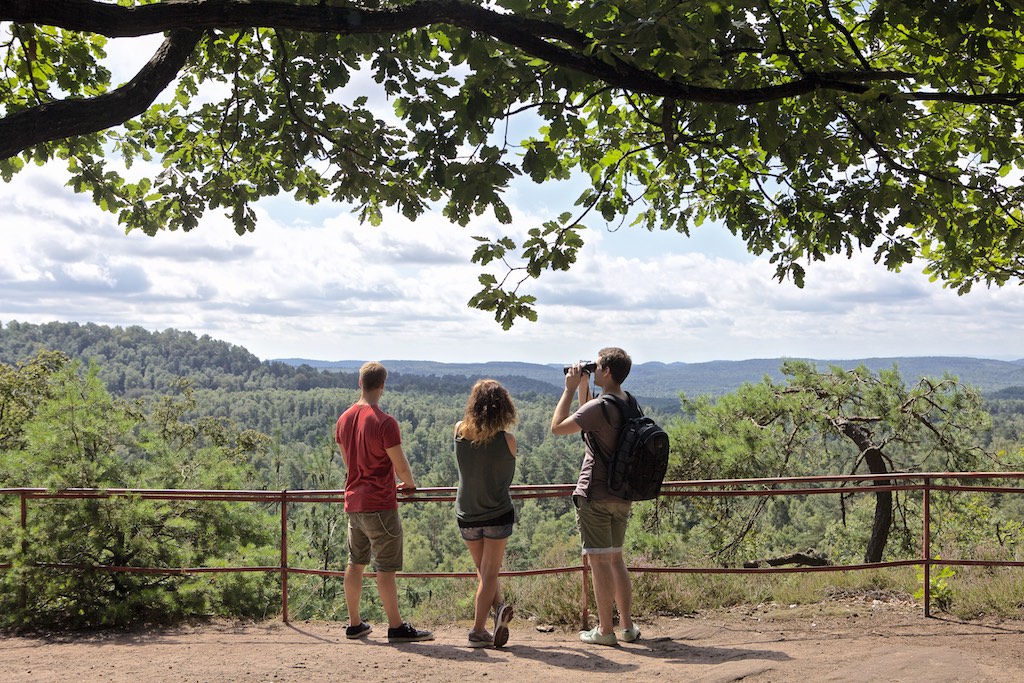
<point x="365" y="433"/>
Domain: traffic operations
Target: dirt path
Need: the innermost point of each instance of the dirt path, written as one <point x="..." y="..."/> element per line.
<point x="851" y="641"/>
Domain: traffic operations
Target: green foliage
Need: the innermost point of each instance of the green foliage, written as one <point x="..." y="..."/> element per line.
<point x="80" y="436"/>
<point x="821" y="422"/>
<point x="21" y="390"/>
<point x="809" y="134"/>
<point x="63" y="427"/>
<point x="76" y="437"/>
<point x="940" y="586"/>
<point x="549" y="599"/>
<point x="991" y="592"/>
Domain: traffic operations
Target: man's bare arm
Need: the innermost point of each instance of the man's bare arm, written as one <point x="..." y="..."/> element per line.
<point x="561" y="422"/>
<point x="402" y="469"/>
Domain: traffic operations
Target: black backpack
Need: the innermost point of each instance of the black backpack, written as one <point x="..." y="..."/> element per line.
<point x="637" y="467"/>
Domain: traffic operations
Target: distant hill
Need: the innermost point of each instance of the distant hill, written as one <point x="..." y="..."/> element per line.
<point x="666" y="380"/>
<point x="134" y="360"/>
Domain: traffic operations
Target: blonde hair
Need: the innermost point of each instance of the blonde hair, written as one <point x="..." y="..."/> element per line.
<point x="372" y="375"/>
<point x="489" y="410"/>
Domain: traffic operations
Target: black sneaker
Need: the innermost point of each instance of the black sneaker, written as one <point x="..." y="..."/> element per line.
<point x="407" y="634"/>
<point x="362" y="629"/>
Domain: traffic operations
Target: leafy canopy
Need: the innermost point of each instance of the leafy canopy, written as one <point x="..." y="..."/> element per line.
<point x="809" y="129"/>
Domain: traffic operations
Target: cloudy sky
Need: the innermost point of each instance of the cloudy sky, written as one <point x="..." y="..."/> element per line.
<point x="314" y="283"/>
<point x="317" y="284"/>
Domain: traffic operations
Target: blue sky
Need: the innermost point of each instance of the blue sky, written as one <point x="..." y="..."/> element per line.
<point x="314" y="283"/>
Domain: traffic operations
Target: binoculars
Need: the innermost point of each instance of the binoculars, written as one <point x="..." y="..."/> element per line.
<point x="587" y="366"/>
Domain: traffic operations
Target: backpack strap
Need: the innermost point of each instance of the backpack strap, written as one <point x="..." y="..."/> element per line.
<point x="623" y="407"/>
<point x="629" y="405"/>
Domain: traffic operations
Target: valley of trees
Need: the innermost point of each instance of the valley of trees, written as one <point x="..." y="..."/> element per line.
<point x="173" y="410"/>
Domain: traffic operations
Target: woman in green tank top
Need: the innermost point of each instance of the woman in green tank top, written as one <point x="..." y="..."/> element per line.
<point x="483" y="504"/>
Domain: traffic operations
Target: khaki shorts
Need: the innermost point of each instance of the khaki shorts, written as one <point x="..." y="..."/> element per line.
<point x="376" y="535"/>
<point x="602" y="524"/>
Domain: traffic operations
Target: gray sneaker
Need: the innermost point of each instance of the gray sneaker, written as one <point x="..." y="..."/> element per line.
<point x="502" y="617"/>
<point x="595" y="637"/>
<point x="484" y="639"/>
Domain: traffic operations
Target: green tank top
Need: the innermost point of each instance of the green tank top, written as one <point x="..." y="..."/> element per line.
<point x="485" y="473"/>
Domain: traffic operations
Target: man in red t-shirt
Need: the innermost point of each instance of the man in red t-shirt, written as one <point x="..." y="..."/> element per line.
<point x="371" y="446"/>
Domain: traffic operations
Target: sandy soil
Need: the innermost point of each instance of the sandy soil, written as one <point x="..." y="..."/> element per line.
<point x="853" y="640"/>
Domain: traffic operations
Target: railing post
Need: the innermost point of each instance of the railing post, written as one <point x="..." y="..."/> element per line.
<point x="23" y="589"/>
<point x="585" y="612"/>
<point x="927" y="548"/>
<point x="284" y="555"/>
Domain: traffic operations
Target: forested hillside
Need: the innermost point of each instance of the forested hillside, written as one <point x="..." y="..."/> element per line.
<point x="134" y="360"/>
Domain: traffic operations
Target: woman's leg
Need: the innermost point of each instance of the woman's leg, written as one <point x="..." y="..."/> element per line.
<point x="488" y="554"/>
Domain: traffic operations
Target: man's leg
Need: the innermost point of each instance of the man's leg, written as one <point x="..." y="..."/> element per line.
<point x="388" y="549"/>
<point x="605" y="589"/>
<point x="358" y="558"/>
<point x="623" y="590"/>
<point x="387" y="587"/>
<point x="622" y="587"/>
<point x="353" y="592"/>
<point x="599" y="538"/>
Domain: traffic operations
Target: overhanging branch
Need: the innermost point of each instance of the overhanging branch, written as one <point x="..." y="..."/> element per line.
<point x="549" y="41"/>
<point x="66" y="118"/>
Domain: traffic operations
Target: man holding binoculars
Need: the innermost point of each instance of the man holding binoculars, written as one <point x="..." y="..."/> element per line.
<point x="602" y="517"/>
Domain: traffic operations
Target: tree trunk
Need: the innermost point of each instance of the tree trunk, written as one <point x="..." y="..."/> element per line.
<point x="883" y="508"/>
<point x="883" y="499"/>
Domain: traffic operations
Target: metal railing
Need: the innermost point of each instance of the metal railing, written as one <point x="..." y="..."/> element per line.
<point x="925" y="483"/>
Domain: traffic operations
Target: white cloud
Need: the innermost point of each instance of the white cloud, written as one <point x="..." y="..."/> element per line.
<point x="315" y="283"/>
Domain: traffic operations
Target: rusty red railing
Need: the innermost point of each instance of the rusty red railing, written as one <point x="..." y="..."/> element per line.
<point x="925" y="483"/>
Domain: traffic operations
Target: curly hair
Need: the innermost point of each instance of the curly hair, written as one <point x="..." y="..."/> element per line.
<point x="489" y="410"/>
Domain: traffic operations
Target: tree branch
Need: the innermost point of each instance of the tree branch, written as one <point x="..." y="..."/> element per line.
<point x="546" y="40"/>
<point x="850" y="41"/>
<point x="66" y="118"/>
<point x="532" y="36"/>
<point x="811" y="558"/>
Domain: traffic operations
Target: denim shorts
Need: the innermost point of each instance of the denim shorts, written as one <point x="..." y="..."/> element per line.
<point x="478" y="533"/>
<point x="377" y="535"/>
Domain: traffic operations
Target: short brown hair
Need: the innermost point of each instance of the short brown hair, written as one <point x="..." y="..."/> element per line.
<point x="616" y="361"/>
<point x="372" y="375"/>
